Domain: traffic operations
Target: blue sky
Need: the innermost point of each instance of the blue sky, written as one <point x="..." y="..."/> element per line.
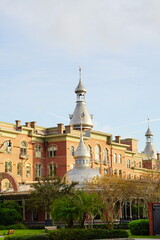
<point x="117" y="44"/>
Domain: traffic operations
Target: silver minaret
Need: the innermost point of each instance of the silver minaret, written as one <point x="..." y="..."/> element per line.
<point x="81" y="109"/>
<point x="149" y="148"/>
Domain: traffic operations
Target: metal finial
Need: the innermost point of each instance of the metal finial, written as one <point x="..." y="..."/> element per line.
<point x="80" y="70"/>
<point x="148" y="120"/>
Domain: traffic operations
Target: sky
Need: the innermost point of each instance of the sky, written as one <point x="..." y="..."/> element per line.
<point x="117" y="45"/>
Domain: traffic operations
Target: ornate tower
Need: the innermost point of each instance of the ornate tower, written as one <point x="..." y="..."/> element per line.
<point x="82" y="171"/>
<point x="81" y="109"/>
<point x="149" y="148"/>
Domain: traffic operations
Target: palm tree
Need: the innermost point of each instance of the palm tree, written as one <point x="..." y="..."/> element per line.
<point x="64" y="209"/>
<point x="88" y="204"/>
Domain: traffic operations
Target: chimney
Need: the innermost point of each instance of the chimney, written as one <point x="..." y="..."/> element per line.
<point x="69" y="128"/>
<point x="60" y="128"/>
<point x="18" y="123"/>
<point x="33" y="124"/>
<point x="27" y="124"/>
<point x="117" y="139"/>
<point x="158" y="156"/>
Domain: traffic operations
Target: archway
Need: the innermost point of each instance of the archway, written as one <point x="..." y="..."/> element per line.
<point x="11" y="179"/>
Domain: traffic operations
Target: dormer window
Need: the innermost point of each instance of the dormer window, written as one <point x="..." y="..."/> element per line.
<point x="52" y="151"/>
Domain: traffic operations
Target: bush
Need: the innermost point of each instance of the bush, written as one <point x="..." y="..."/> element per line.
<point x="121" y="226"/>
<point x="13" y="226"/>
<point x="9" y="216"/>
<point x="86" y="234"/>
<point x="36" y="227"/>
<point x="139" y="227"/>
<point x="42" y="236"/>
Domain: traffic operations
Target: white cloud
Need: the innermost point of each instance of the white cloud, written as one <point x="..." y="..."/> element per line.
<point x="86" y="25"/>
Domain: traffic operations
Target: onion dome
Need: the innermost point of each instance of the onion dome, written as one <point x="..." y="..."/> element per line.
<point x="80" y="87"/>
<point x="81" y="150"/>
<point x="149" y="132"/>
<point x="149" y="148"/>
<point x="81" y="109"/>
<point x="82" y="172"/>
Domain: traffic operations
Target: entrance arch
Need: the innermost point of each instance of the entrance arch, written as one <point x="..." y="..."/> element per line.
<point x="11" y="179"/>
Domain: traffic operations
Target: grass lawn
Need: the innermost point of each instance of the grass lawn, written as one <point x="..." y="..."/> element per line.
<point x="137" y="236"/>
<point x="22" y="231"/>
<point x="30" y="231"/>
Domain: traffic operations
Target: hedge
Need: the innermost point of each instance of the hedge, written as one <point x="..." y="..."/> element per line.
<point x="139" y="227"/>
<point x="13" y="226"/>
<point x="42" y="236"/>
<point x="86" y="234"/>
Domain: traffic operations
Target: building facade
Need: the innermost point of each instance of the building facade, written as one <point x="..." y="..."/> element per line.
<point x="28" y="152"/>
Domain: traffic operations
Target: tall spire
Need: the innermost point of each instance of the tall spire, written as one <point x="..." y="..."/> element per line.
<point x="81" y="108"/>
<point x="149" y="148"/>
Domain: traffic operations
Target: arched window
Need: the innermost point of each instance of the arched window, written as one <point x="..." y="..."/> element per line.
<point x="97" y="154"/>
<point x="23" y="148"/>
<point x="120" y="173"/>
<point x="8" y="166"/>
<point x="128" y="163"/>
<point x="140" y="165"/>
<point x="106" y="171"/>
<point x="115" y="157"/>
<point x="52" y="151"/>
<point x="72" y="151"/>
<point x="8" y="146"/>
<point x="19" y="169"/>
<point x="38" y="151"/>
<point x="129" y="176"/>
<point x="105" y="156"/>
<point x="134" y="164"/>
<point x="89" y="150"/>
<point x="38" y="170"/>
<point x="28" y="170"/>
<point x="119" y="158"/>
<point x="115" y="171"/>
<point x="52" y="170"/>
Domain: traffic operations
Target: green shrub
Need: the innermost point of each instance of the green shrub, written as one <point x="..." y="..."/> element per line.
<point x="9" y="216"/>
<point x="42" y="236"/>
<point x="13" y="226"/>
<point x="100" y="226"/>
<point x="139" y="227"/>
<point x="2" y="227"/>
<point x="36" y="227"/>
<point x="86" y="234"/>
<point x="121" y="226"/>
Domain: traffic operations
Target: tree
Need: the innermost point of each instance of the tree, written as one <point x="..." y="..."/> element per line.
<point x="116" y="191"/>
<point x="65" y="209"/>
<point x="76" y="207"/>
<point x="10" y="213"/>
<point x="45" y="191"/>
<point x="88" y="204"/>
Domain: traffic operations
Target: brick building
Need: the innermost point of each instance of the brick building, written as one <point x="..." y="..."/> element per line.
<point x="28" y="152"/>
